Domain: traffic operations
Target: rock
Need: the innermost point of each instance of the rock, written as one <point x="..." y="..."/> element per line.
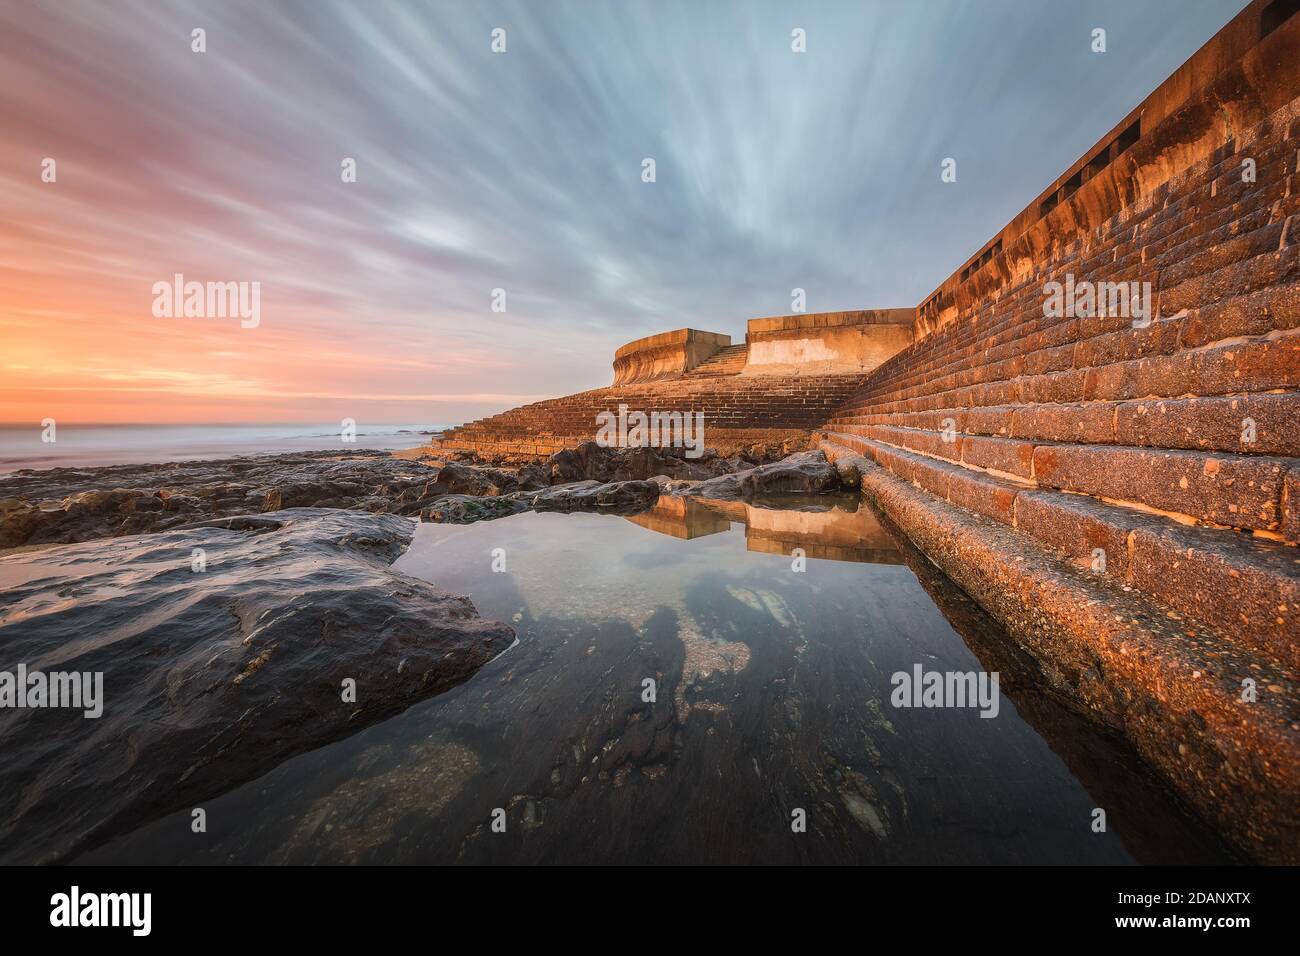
<point x="176" y="502"/>
<point x="20" y="525"/>
<point x="466" y="509"/>
<point x="99" y="502"/>
<point x="142" y="503"/>
<point x="592" y="495"/>
<point x="668" y="485"/>
<point x="238" y="523"/>
<point x="455" y="478"/>
<point x="850" y="469"/>
<point x="306" y="494"/>
<point x="62" y="505"/>
<point x="211" y="679"/>
<point x="724" y="487"/>
<point x="533" y="476"/>
<point x="803" y="473"/>
<point x="591" y="461"/>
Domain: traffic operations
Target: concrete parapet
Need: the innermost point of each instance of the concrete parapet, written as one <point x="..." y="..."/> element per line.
<point x="827" y="342"/>
<point x="666" y="355"/>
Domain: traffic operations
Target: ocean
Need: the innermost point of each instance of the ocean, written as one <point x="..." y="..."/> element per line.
<point x="85" y="445"/>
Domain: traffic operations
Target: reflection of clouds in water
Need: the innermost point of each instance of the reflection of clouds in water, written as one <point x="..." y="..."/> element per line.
<point x="768" y="602"/>
<point x="782" y="701"/>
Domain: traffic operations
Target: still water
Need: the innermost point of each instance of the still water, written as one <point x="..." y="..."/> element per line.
<point x="771" y="703"/>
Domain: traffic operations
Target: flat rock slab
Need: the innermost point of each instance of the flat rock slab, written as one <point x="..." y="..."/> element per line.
<point x="212" y="677"/>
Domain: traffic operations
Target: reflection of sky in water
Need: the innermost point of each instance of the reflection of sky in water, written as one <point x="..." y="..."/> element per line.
<point x="772" y="694"/>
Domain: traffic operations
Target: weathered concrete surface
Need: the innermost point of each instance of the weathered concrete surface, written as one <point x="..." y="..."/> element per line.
<point x="1174" y="691"/>
<point x="211" y="678"/>
<point x="827" y="342"/>
<point x="665" y="355"/>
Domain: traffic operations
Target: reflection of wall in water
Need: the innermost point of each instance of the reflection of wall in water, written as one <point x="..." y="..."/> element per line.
<point x="681" y="518"/>
<point x="836" y="533"/>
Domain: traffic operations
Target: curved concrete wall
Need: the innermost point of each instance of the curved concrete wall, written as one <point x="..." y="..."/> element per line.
<point x="827" y="342"/>
<point x="665" y="355"/>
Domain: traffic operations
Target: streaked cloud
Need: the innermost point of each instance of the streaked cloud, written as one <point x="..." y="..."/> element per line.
<point x="519" y="171"/>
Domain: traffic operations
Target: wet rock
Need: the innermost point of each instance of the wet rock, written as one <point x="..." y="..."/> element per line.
<point x="591" y="461"/>
<point x="239" y="523"/>
<point x="21" y="523"/>
<point x="211" y="679"/>
<point x="803" y="473"/>
<point x="591" y="495"/>
<point x="668" y="485"/>
<point x="454" y="478"/>
<point x="306" y="494"/>
<point x="724" y="487"/>
<point x="850" y="468"/>
<point x="64" y="505"/>
<point x="533" y="476"/>
<point x="466" y="509"/>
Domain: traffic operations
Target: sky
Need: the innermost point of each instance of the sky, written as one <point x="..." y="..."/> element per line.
<point x="519" y="170"/>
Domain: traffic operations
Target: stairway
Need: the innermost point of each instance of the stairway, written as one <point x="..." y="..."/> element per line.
<point x="726" y="361"/>
<point x="757" y="407"/>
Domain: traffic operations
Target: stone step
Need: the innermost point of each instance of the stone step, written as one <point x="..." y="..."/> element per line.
<point x="726" y="361"/>
<point x="1238" y="491"/>
<point x="1244" y="585"/>
<point x="1213" y="423"/>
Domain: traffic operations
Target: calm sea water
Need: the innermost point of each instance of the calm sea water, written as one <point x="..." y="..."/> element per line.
<point x="771" y="695"/>
<point x="82" y="445"/>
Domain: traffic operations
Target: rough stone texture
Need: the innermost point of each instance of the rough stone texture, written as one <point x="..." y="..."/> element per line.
<point x="741" y="412"/>
<point x="1255" y="597"/>
<point x="1230" y="490"/>
<point x="804" y="473"/>
<point x="466" y="509"/>
<point x="211" y="678"/>
<point x="592" y="461"/>
<point x="614" y="496"/>
<point x="63" y="505"/>
<point x="1013" y="448"/>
